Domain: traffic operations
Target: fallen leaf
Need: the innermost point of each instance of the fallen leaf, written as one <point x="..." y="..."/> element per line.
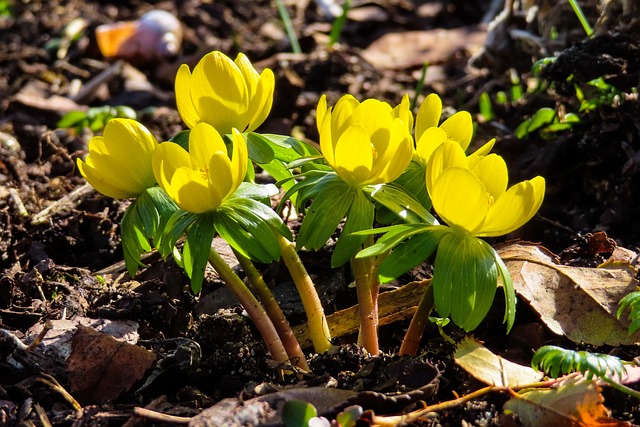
<point x="101" y="368"/>
<point x="398" y="51"/>
<point x="572" y="402"/>
<point x="577" y="302"/>
<point x="490" y="368"/>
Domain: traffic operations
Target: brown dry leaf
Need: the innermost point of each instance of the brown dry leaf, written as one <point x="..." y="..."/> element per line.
<point x="573" y="402"/>
<point x="398" y="51"/>
<point x="490" y="368"/>
<point x="577" y="302"/>
<point x="101" y="368"/>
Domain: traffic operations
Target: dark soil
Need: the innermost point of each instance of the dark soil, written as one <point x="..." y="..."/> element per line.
<point x="68" y="264"/>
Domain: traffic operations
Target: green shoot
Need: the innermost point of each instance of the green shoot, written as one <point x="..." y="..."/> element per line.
<point x="338" y="24"/>
<point x="288" y="26"/>
<point x="632" y="302"/>
<point x="583" y="19"/>
<point x="419" y="85"/>
<point x="95" y="118"/>
<point x="485" y="107"/>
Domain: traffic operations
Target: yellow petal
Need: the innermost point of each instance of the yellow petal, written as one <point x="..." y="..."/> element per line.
<point x="261" y="101"/>
<point x="492" y="171"/>
<point x="460" y="199"/>
<point x="403" y="112"/>
<point x="239" y="158"/>
<point x="431" y="139"/>
<point x="376" y="117"/>
<point x="191" y="191"/>
<point x="183" y="97"/>
<point x="321" y="110"/>
<point x="220" y="177"/>
<point x="459" y="128"/>
<point x="327" y="145"/>
<point x="354" y="156"/>
<point x="100" y="184"/>
<point x="390" y="164"/>
<point x="428" y="114"/>
<point x="204" y="142"/>
<point x="341" y="115"/>
<point x="167" y="158"/>
<point x="219" y="92"/>
<point x="485" y="149"/>
<point x="516" y="206"/>
<point x="249" y="73"/>
<point x="448" y="154"/>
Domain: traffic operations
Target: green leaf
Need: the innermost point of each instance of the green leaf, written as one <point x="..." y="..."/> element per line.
<point x="393" y="236"/>
<point x="134" y="242"/>
<point x="182" y="139"/>
<point x="285" y="148"/>
<point x="412" y="252"/>
<point x="148" y="214"/>
<point x="254" y="209"/>
<point x="325" y="213"/>
<point x="540" y="118"/>
<point x="312" y="183"/>
<point x="125" y="112"/>
<point x="196" y="249"/>
<point x="405" y="206"/>
<point x="359" y="217"/>
<point x="164" y="206"/>
<point x="297" y="413"/>
<point x="259" y="149"/>
<point x="251" y="237"/>
<point x="631" y="302"/>
<point x="250" y="190"/>
<point x="556" y="361"/>
<point x="414" y="183"/>
<point x="465" y="279"/>
<point x="507" y="287"/>
<point x="176" y="227"/>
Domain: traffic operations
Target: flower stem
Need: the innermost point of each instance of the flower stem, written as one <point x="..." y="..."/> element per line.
<point x="365" y="271"/>
<point x="289" y="340"/>
<point x="318" y="326"/>
<point x="418" y="323"/>
<point x="251" y="304"/>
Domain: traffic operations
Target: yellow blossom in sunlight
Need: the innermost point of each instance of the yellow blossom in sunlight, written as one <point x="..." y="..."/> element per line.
<point x="201" y="179"/>
<point x="119" y="162"/>
<point x="470" y="193"/>
<point x="365" y="143"/>
<point x="223" y="93"/>
<point x="429" y="136"/>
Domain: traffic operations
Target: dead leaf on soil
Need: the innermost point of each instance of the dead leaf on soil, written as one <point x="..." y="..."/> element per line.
<point x="577" y="302"/>
<point x="490" y="368"/>
<point x="398" y="51"/>
<point x="101" y="368"/>
<point x="573" y="402"/>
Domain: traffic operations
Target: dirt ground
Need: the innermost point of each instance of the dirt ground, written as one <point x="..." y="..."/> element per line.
<point x="65" y="265"/>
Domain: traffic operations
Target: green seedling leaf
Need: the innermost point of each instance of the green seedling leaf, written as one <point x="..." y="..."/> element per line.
<point x="164" y="206"/>
<point x="393" y="236"/>
<point x="484" y="104"/>
<point x="325" y="213"/>
<point x="359" y="217"/>
<point x="261" y="213"/>
<point x="297" y="413"/>
<point x="557" y="361"/>
<point x="464" y="281"/>
<point x="71" y="119"/>
<point x="125" y="112"/>
<point x="312" y="183"/>
<point x="134" y="241"/>
<point x="413" y="252"/>
<point x="349" y="416"/>
<point x="413" y="182"/>
<point x="285" y="148"/>
<point x="631" y="302"/>
<point x="541" y="118"/>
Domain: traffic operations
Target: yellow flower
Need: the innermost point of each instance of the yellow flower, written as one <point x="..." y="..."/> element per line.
<point x="429" y="136"/>
<point x="470" y="193"/>
<point x="365" y="143"/>
<point x="201" y="179"/>
<point x="224" y="93"/>
<point x="119" y="162"/>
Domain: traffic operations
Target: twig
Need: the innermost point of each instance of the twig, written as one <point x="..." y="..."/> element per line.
<point x="48" y="325"/>
<point x="91" y="86"/>
<point x="160" y="417"/>
<point x="22" y="211"/>
<point x="69" y="201"/>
